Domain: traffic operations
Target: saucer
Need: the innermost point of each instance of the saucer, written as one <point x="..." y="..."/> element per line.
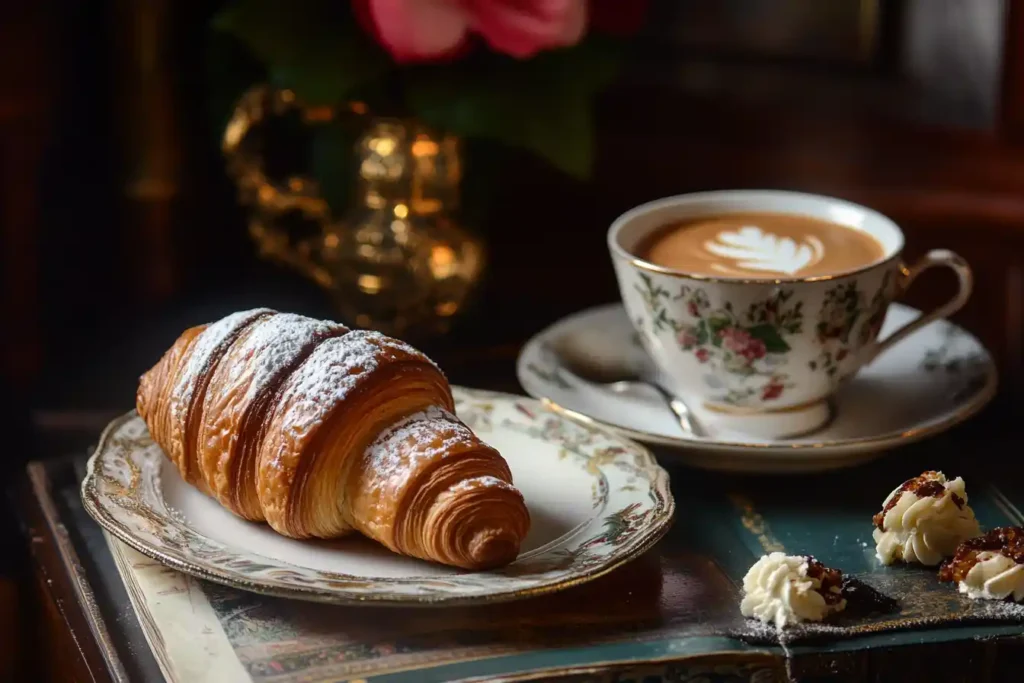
<point x="934" y="379"/>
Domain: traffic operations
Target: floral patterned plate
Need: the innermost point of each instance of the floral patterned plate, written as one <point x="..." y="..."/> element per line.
<point x="936" y="378"/>
<point x="596" y="501"/>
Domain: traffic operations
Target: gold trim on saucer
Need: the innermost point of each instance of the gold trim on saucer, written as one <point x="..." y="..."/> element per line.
<point x="742" y="410"/>
<point x="981" y="399"/>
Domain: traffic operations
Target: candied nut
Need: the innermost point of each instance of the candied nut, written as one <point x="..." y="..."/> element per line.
<point x="1007" y="540"/>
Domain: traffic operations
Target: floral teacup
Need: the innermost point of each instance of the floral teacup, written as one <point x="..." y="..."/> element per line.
<point x="767" y="352"/>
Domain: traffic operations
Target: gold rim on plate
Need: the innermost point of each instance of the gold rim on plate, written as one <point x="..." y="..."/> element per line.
<point x="332" y="589"/>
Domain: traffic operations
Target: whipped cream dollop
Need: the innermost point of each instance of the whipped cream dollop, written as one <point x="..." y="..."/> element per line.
<point x="924" y="520"/>
<point x="785" y="589"/>
<point x="994" y="577"/>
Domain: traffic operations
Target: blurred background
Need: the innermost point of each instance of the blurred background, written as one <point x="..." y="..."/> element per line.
<point x="163" y="163"/>
<point x="130" y="208"/>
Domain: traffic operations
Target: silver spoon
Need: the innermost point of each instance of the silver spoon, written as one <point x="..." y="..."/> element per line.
<point x="620" y="380"/>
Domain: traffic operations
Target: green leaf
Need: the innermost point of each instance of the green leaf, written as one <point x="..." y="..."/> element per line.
<point x="717" y="323"/>
<point x="542" y="104"/>
<point x="773" y="343"/>
<point x="661" y="322"/>
<point x="702" y="334"/>
<point x="315" y="47"/>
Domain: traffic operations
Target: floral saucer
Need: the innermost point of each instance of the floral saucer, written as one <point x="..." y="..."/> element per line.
<point x="934" y="379"/>
<point x="596" y="501"/>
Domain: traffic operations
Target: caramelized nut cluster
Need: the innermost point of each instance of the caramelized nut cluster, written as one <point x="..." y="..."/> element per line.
<point x="829" y="578"/>
<point x="925" y="485"/>
<point x="1008" y="540"/>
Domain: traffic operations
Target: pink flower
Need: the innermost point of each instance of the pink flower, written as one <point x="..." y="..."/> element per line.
<point x="740" y="342"/>
<point x="756" y="349"/>
<point x="432" y="30"/>
<point x="735" y="339"/>
<point x="702" y="355"/>
<point x="693" y="309"/>
<point x="772" y="390"/>
<point x="687" y="339"/>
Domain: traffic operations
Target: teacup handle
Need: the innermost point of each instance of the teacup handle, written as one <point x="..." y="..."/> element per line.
<point x="936" y="257"/>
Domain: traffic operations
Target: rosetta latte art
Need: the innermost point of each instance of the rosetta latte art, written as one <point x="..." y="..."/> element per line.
<point x="760" y="246"/>
<point x="750" y="248"/>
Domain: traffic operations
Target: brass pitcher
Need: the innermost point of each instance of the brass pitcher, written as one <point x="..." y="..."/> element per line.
<point x="397" y="261"/>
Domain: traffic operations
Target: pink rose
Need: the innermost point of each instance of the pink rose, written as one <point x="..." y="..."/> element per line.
<point x="687" y="339"/>
<point x="735" y="339"/>
<point x="755" y="349"/>
<point x="772" y="391"/>
<point x="742" y="343"/>
<point x="432" y="30"/>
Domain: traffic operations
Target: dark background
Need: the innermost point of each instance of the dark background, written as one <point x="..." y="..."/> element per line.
<point x="915" y="107"/>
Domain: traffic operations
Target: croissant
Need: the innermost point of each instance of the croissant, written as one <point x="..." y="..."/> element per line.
<point x="321" y="431"/>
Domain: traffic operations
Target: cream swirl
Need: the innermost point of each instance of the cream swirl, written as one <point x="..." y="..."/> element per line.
<point x="924" y="520"/>
<point x="994" y="577"/>
<point x="751" y="248"/>
<point x="779" y="589"/>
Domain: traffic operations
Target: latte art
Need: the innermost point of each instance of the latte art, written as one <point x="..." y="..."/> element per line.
<point x="753" y="249"/>
<point x="767" y="245"/>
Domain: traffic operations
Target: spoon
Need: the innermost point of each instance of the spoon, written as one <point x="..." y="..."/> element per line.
<point x="621" y="379"/>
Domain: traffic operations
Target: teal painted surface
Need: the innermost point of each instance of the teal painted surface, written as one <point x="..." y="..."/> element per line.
<point x="905" y="638"/>
<point x="623" y="652"/>
<point x="836" y="527"/>
<point x="679" y="600"/>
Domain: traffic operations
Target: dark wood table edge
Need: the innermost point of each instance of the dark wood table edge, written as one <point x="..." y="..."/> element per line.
<point x="57" y="561"/>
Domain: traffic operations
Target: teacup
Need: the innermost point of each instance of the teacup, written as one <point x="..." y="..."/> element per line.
<point x="767" y="352"/>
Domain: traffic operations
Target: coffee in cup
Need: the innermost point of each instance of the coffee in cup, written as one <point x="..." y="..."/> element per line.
<point x="760" y="245"/>
<point x="759" y="305"/>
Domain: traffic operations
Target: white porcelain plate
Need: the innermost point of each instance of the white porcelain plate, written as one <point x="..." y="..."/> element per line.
<point x="934" y="379"/>
<point x="595" y="500"/>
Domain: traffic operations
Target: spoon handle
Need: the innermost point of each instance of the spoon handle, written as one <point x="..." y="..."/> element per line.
<point x="687" y="421"/>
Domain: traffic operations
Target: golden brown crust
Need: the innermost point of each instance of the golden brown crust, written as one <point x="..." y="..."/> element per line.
<point x="320" y="431"/>
<point x="187" y="393"/>
<point x="333" y="406"/>
<point x="239" y="397"/>
<point x="153" y="401"/>
<point x="428" y="487"/>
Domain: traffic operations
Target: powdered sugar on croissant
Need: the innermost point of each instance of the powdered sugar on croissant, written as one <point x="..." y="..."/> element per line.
<point x="234" y="416"/>
<point x="322" y="431"/>
<point x="459" y="502"/>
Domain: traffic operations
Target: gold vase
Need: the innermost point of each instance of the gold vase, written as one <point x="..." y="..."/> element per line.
<point x="397" y="261"/>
